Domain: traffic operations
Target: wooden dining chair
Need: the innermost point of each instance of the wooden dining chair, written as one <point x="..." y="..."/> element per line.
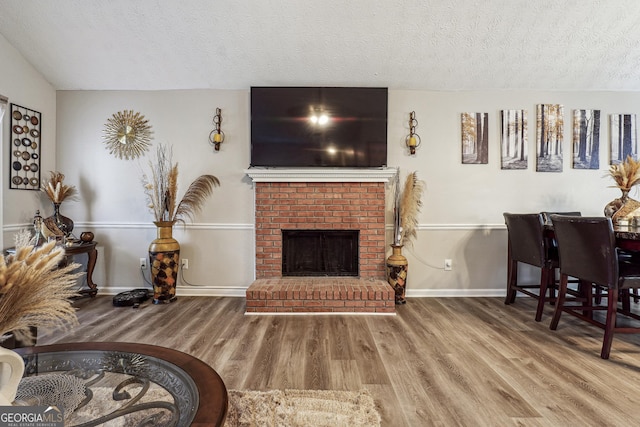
<point x="527" y="244"/>
<point x="587" y="251"/>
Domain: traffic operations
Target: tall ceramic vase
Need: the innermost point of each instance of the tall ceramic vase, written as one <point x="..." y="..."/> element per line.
<point x="397" y="267"/>
<point x="164" y="257"/>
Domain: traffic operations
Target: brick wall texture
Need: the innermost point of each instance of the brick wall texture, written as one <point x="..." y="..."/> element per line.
<point x="320" y="206"/>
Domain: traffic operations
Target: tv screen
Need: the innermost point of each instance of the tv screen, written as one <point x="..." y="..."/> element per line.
<point x="318" y="126"/>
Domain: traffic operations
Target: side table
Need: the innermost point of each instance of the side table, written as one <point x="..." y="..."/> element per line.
<point x="88" y="248"/>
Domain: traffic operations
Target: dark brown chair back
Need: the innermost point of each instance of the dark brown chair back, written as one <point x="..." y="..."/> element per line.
<point x="546" y="216"/>
<point x="526" y="238"/>
<point x="587" y="248"/>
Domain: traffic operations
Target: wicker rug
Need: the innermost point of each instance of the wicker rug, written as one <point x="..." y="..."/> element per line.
<point x="293" y="408"/>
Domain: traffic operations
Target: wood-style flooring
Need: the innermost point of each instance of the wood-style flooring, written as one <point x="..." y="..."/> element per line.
<point x="439" y="362"/>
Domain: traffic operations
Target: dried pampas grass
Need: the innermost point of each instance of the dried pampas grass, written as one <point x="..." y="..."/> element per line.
<point x="34" y="291"/>
<point x="626" y="174"/>
<point x="407" y="207"/>
<point x="161" y="189"/>
<point x="55" y="188"/>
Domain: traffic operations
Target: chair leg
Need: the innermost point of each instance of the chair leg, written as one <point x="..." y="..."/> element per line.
<point x="610" y="324"/>
<point x="598" y="294"/>
<point x="562" y="294"/>
<point x="625" y="298"/>
<point x="586" y="291"/>
<point x="512" y="277"/>
<point x="546" y="275"/>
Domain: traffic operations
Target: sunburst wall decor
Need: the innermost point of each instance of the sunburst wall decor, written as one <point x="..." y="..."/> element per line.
<point x="127" y="134"/>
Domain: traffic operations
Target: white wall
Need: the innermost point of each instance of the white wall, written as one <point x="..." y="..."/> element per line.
<point x="219" y="244"/>
<point x="24" y="86"/>
<point x="461" y="218"/>
<point x="463" y="205"/>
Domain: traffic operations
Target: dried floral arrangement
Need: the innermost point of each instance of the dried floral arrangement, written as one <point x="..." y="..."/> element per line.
<point x="161" y="189"/>
<point x="34" y="291"/>
<point x="626" y="174"/>
<point x="56" y="190"/>
<point x="407" y="205"/>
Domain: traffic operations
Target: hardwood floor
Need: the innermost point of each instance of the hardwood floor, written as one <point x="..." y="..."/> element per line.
<point x="439" y="362"/>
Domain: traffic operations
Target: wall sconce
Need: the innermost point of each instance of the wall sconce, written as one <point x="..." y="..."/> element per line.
<point x="216" y="137"/>
<point x="413" y="139"/>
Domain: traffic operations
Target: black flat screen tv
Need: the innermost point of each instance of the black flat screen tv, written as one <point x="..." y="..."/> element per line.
<point x="319" y="127"/>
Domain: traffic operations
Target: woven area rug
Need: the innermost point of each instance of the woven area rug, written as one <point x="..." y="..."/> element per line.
<point x="298" y="408"/>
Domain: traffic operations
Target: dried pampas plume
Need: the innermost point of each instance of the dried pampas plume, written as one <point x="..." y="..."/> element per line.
<point x="407" y="208"/>
<point x="34" y="291"/>
<point x="626" y="174"/>
<point x="55" y="188"/>
<point x="161" y="189"/>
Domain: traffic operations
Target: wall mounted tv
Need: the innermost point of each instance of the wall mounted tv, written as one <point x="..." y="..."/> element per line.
<point x="318" y="127"/>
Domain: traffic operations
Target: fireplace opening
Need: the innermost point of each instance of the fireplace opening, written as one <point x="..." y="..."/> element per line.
<point x="320" y="252"/>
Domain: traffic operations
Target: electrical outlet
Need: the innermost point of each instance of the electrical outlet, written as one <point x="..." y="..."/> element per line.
<point x="184" y="262"/>
<point x="447" y="264"/>
<point x="143" y="263"/>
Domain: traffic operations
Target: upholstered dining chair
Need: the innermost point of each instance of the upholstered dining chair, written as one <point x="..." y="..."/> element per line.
<point x="527" y="244"/>
<point x="552" y="245"/>
<point x="587" y="251"/>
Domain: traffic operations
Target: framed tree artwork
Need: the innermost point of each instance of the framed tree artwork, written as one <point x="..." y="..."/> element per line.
<point x="623" y="134"/>
<point x="586" y="139"/>
<point x="475" y="138"/>
<point x="549" y="132"/>
<point x="513" y="139"/>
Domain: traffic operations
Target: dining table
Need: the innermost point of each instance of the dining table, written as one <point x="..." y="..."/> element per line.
<point x="627" y="237"/>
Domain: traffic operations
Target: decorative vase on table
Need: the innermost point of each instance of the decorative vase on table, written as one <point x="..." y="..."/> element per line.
<point x="64" y="223"/>
<point x="621" y="208"/>
<point x="164" y="257"/>
<point x="397" y="267"/>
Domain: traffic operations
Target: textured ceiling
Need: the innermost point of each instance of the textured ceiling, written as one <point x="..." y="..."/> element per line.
<point x="401" y="44"/>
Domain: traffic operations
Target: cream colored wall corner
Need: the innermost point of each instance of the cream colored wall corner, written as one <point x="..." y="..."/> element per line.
<point x="23" y="85"/>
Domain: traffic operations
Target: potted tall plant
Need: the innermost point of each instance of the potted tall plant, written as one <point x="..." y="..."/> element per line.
<point x="406" y="208"/>
<point x="161" y="189"/>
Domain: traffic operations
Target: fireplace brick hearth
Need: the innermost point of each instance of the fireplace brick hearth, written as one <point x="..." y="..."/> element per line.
<point x="325" y="203"/>
<point x="320" y="295"/>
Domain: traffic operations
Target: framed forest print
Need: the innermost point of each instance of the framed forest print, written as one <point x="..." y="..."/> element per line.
<point x="475" y="138"/>
<point x="624" y="141"/>
<point x="586" y="139"/>
<point x="513" y="139"/>
<point x="549" y="137"/>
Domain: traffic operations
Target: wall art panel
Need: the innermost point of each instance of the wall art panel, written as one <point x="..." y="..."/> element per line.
<point x="24" y="156"/>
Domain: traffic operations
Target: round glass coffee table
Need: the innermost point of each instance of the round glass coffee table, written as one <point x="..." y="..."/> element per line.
<point x="125" y="380"/>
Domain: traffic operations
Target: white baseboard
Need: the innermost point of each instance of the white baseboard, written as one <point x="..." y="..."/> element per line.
<point x="218" y="291"/>
<point x="186" y="291"/>
<point x="429" y="293"/>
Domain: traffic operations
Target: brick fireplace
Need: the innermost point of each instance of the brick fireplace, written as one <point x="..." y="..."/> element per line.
<point x="324" y="199"/>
